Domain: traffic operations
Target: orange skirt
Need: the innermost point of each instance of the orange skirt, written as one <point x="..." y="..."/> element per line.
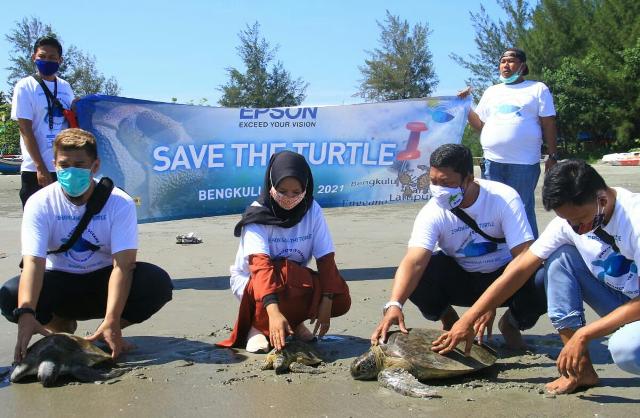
<point x="299" y="295"/>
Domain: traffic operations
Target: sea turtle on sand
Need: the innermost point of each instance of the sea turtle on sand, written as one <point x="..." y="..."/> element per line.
<point x="406" y="359"/>
<point x="60" y="354"/>
<point x="296" y="356"/>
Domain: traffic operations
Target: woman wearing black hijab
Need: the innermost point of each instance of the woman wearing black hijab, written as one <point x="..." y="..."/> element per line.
<point x="279" y="234"/>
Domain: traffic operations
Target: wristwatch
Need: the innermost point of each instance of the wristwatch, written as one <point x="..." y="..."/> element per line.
<point x="554" y="156"/>
<point x="17" y="312"/>
<point x="390" y="304"/>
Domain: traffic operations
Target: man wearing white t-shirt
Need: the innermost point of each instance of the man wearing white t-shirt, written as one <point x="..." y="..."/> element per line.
<point x="592" y="250"/>
<point x="513" y="118"/>
<point x="98" y="277"/>
<point x="39" y="118"/>
<point x="451" y="262"/>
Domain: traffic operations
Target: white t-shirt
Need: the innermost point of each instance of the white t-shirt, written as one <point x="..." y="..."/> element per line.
<point x="308" y="238"/>
<point x="498" y="211"/>
<point x="512" y="133"/>
<point x="30" y="102"/>
<point x="618" y="270"/>
<point x="50" y="218"/>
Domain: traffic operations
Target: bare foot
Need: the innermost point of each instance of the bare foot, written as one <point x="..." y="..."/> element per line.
<point x="302" y="333"/>
<point x="448" y="318"/>
<point x="564" y="385"/>
<point x="512" y="336"/>
<point x="58" y="324"/>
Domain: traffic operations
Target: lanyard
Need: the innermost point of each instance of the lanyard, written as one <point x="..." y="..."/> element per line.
<point x="51" y="101"/>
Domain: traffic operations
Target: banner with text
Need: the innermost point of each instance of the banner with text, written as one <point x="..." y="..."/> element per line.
<point x="184" y="161"/>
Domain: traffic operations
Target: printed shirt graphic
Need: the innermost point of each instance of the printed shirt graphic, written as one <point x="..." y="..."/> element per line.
<point x="498" y="211"/>
<point x="50" y="219"/>
<point x="30" y="102"/>
<point x="510" y="112"/>
<point x="309" y="238"/>
<point x="617" y="270"/>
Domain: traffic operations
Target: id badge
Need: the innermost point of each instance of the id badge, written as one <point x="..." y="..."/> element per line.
<point x="50" y="139"/>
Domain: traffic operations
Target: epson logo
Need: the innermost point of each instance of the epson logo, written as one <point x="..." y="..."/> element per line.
<point x="280" y="113"/>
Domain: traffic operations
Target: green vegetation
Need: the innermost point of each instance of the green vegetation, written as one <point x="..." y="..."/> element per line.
<point x="258" y="86"/>
<point x="402" y="67"/>
<point x="586" y="51"/>
<point x="9" y="133"/>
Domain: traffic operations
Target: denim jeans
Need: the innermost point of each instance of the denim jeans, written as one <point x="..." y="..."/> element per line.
<point x="523" y="178"/>
<point x="569" y="283"/>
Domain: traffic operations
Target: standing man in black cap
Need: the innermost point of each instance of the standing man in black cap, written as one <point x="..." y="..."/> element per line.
<point x="513" y="119"/>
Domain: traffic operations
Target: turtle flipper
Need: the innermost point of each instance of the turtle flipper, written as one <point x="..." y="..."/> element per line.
<point x="404" y="383"/>
<point x="296" y="367"/>
<point x="48" y="372"/>
<point x="20" y="371"/>
<point x="281" y="364"/>
<point x="88" y="374"/>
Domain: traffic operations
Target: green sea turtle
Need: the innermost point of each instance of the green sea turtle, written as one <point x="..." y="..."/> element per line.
<point x="296" y="356"/>
<point x="64" y="354"/>
<point x="406" y="359"/>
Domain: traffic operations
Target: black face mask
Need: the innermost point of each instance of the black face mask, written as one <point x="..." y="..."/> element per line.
<point x="598" y="220"/>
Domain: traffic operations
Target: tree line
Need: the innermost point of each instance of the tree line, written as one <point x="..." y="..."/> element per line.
<point x="586" y="51"/>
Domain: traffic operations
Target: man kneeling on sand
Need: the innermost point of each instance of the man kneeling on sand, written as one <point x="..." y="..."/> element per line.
<point x="462" y="240"/>
<point x="592" y="250"/>
<point x="98" y="276"/>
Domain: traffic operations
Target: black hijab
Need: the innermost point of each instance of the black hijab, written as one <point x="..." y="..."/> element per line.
<point x="281" y="165"/>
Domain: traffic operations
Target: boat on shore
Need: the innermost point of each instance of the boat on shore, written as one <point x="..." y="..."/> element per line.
<point x="10" y="164"/>
<point x="623" y="158"/>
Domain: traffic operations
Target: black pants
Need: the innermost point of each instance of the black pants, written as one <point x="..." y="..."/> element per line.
<point x="29" y="180"/>
<point x="84" y="296"/>
<point x="445" y="283"/>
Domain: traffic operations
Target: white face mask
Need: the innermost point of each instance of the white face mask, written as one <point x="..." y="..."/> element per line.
<point x="447" y="197"/>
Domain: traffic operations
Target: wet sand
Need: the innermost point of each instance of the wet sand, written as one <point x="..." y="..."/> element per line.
<point x="178" y="372"/>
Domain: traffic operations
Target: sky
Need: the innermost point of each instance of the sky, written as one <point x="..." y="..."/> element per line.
<point x="158" y="50"/>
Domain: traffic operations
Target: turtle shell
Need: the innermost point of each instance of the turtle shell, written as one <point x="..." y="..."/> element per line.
<point x="294" y="351"/>
<point x="61" y="354"/>
<point x="415" y="348"/>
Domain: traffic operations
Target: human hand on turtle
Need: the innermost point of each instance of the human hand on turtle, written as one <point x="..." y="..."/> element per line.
<point x="461" y="331"/>
<point x="323" y="319"/>
<point x="484" y="322"/>
<point x="279" y="327"/>
<point x="110" y="333"/>
<point x="393" y="316"/>
<point x="28" y="326"/>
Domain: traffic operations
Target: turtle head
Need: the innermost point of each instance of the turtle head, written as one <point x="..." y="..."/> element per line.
<point x="368" y="365"/>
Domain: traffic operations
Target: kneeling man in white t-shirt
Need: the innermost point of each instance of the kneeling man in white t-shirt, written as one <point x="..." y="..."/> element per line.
<point x="452" y="262"/>
<point x="592" y="250"/>
<point x="98" y="277"/>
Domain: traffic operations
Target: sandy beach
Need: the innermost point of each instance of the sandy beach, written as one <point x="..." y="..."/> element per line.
<point x="177" y="371"/>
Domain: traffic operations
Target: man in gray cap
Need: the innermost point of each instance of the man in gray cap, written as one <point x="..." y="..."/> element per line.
<point x="513" y="118"/>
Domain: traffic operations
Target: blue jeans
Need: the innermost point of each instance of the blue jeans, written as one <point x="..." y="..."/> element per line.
<point x="523" y="178"/>
<point x="569" y="283"/>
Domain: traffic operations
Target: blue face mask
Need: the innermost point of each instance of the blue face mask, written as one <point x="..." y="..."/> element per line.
<point x="74" y="181"/>
<point x="511" y="79"/>
<point x="47" y="68"/>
